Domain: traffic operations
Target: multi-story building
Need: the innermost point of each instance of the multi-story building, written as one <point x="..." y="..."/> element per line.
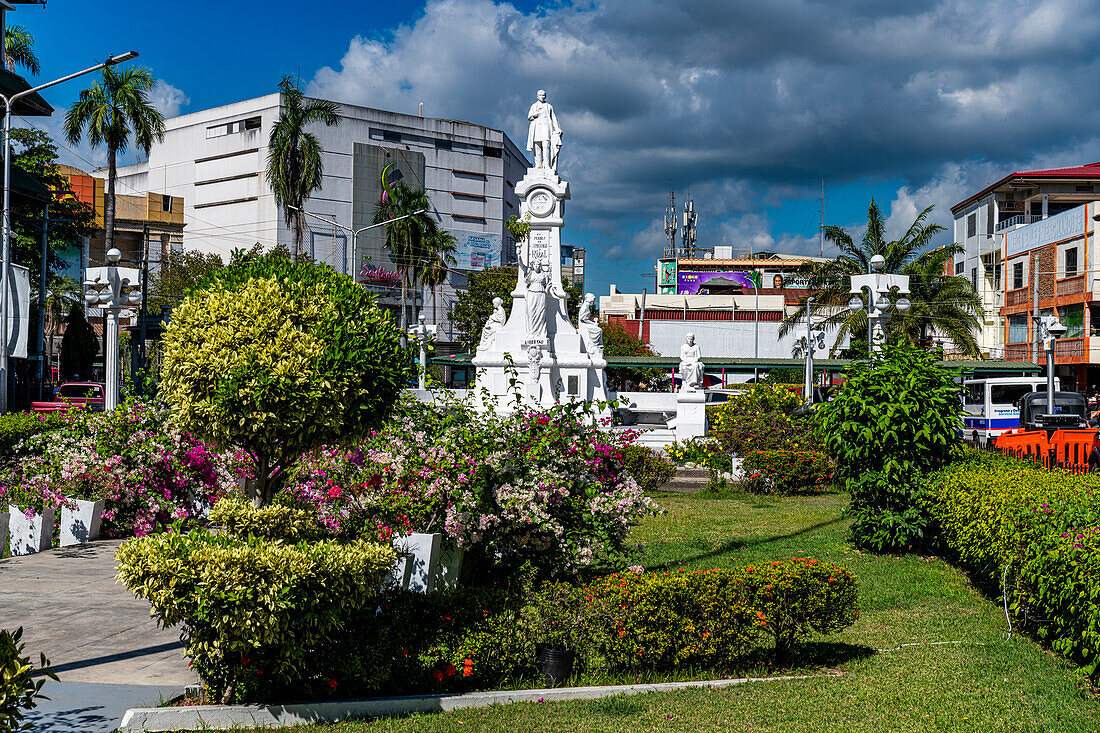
<point x="1030" y="251"/>
<point x="215" y="160"/>
<point x="572" y="265"/>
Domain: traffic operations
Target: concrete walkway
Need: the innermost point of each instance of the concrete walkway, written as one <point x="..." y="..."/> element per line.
<point x="107" y="651"/>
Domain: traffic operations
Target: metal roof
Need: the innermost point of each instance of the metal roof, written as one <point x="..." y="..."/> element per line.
<point x="1090" y="170"/>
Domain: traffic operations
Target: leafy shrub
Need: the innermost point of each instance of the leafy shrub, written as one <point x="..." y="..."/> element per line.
<point x="1043" y="527"/>
<point x="277" y="521"/>
<point x="760" y="419"/>
<point x="259" y="618"/>
<point x="18" y="689"/>
<point x="794" y="597"/>
<point x="700" y="451"/>
<point x="667" y="621"/>
<point x="16" y="427"/>
<point x="786" y="471"/>
<point x="276" y="358"/>
<point x="894" y="420"/>
<point x="649" y="469"/>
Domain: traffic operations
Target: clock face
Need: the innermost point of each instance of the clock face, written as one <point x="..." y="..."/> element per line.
<point x="540" y="203"/>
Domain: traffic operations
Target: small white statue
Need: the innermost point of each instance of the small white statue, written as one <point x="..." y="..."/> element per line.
<point x="544" y="134"/>
<point x="691" y="365"/>
<point x="496" y="321"/>
<point x="534" y="372"/>
<point x="538" y="283"/>
<point x="589" y="326"/>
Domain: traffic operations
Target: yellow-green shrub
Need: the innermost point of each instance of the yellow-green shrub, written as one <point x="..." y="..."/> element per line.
<point x="258" y="616"/>
<point x="277" y="521"/>
<point x="18" y="689"/>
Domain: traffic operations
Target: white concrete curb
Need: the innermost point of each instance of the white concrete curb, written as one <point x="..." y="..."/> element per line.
<point x="222" y="717"/>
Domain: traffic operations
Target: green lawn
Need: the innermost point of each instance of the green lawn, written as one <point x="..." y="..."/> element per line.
<point x="981" y="683"/>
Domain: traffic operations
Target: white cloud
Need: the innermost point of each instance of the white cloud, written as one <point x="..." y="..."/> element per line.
<point x="168" y="99"/>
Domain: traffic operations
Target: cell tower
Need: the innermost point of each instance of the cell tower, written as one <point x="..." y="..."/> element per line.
<point x="687" y="232"/>
<point x="670" y="224"/>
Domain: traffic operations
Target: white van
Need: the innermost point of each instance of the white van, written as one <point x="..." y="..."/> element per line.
<point x="991" y="406"/>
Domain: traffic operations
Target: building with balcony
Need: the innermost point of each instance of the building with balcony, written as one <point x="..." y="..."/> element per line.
<point x="990" y="221"/>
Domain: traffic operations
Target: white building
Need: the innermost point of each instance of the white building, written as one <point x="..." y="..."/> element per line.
<point x="215" y="160"/>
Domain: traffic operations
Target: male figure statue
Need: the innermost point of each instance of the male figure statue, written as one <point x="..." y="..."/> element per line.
<point x="691" y="365"/>
<point x="544" y="134"/>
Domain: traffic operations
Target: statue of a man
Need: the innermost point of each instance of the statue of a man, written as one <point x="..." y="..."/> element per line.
<point x="544" y="134"/>
<point x="538" y="283"/>
<point x="495" y="323"/>
<point x="691" y="365"/>
<point x="591" y="333"/>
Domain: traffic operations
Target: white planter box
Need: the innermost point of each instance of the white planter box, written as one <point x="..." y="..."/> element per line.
<point x="80" y="525"/>
<point x="424" y="566"/>
<point x="737" y="471"/>
<point x="4" y="517"/>
<point x="30" y="535"/>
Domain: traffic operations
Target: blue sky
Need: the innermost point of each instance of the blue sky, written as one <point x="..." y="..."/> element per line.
<point x="747" y="105"/>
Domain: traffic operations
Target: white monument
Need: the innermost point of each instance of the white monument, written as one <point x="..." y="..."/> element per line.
<point x="537" y="344"/>
<point x="691" y="411"/>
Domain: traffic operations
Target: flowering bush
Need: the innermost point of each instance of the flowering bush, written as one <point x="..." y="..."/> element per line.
<point x="548" y="488"/>
<point x="786" y="471"/>
<point x="647" y="467"/>
<point x="147" y="473"/>
<point x="700" y="451"/>
<point x="16" y="427"/>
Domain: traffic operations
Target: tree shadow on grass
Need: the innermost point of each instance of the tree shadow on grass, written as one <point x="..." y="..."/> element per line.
<point x="735" y="545"/>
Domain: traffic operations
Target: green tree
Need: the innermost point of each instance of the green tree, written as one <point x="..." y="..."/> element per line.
<point x="114" y="108"/>
<point x="474" y="305"/>
<point x="894" y="420"/>
<point x="19" y="50"/>
<point x="294" y="166"/>
<point x="179" y="272"/>
<point x="276" y="358"/>
<point x="410" y="235"/>
<point x="79" y="345"/>
<point x="617" y="341"/>
<point x="945" y="302"/>
<point x="441" y="257"/>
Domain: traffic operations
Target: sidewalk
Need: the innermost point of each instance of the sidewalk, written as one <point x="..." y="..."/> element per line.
<point x="107" y="651"/>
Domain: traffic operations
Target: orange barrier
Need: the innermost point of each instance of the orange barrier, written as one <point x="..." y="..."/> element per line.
<point x="1071" y="448"/>
<point x="1024" y="444"/>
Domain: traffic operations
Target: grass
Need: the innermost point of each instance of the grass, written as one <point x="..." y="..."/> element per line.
<point x="980" y="681"/>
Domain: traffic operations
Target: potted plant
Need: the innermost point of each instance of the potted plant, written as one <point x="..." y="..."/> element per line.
<point x="30" y="525"/>
<point x="80" y="520"/>
<point x="5" y="516"/>
<point x="561" y="622"/>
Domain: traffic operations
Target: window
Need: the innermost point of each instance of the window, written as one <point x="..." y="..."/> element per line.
<point x="1007" y="394"/>
<point x="974" y="277"/>
<point x="989" y="218"/>
<point x="1071" y="262"/>
<point x="974" y="394"/>
<point x="493" y="152"/>
<point x="1017" y="329"/>
<point x="165" y="203"/>
<point x="391" y="137"/>
<point x="971" y="225"/>
<point x="229" y="128"/>
<point x="443" y="144"/>
<point x="996" y="277"/>
<point x="959" y="267"/>
<point x="252" y="123"/>
<point x="1073" y="318"/>
<point x="1017" y="275"/>
<point x="1083" y="188"/>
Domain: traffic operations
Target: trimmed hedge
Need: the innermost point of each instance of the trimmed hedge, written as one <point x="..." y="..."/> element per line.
<point x="649" y="469"/>
<point x="280" y="520"/>
<point x="1043" y="525"/>
<point x="786" y="471"/>
<point x="18" y="426"/>
<point x="259" y="618"/>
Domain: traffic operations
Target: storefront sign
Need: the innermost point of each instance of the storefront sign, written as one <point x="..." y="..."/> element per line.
<point x="1055" y="228"/>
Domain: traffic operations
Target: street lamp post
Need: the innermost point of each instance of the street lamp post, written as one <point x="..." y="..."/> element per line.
<point x="1051" y="329"/>
<point x="5" y="259"/>
<point x="878" y="285"/>
<point x="112" y="289"/>
<point x="807" y="346"/>
<point x="355" y="232"/>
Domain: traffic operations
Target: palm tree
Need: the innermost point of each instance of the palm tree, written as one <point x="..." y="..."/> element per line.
<point x="294" y="165"/>
<point x="62" y="295"/>
<point x="115" y="107"/>
<point x="441" y="251"/>
<point x="944" y="302"/>
<point x="409" y="236"/>
<point x="19" y="50"/>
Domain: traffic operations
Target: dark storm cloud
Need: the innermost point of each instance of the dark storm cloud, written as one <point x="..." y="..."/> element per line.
<point x="752" y="97"/>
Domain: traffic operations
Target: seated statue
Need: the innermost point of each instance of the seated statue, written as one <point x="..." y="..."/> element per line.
<point x="691" y="365"/>
<point x="495" y="323"/>
<point x="589" y="326"/>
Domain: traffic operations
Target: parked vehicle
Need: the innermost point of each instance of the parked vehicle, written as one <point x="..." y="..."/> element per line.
<point x="992" y="406"/>
<point x="74" y="396"/>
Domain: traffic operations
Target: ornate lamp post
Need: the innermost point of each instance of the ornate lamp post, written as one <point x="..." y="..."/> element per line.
<point x="422" y="334"/>
<point x="112" y="289"/>
<point x="808" y="345"/>
<point x="1050" y="329"/>
<point x="878" y="285"/>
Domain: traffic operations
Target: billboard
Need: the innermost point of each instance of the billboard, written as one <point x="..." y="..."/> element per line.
<point x="666" y="277"/>
<point x="713" y="283"/>
<point x="476" y="250"/>
<point x="1055" y="228"/>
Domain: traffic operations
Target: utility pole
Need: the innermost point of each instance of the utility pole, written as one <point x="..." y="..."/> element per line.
<point x="821" y="209"/>
<point x="1035" y="336"/>
<point x="138" y="352"/>
<point x="670" y="223"/>
<point x="687" y="233"/>
<point x="42" y="301"/>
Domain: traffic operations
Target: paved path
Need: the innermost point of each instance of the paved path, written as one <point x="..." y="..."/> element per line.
<point x="107" y="651"/>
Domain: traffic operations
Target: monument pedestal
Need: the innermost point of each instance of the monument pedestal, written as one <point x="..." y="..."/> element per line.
<point x="538" y="357"/>
<point x="691" y="415"/>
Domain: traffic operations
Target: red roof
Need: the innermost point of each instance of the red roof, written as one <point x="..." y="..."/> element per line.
<point x="1090" y="170"/>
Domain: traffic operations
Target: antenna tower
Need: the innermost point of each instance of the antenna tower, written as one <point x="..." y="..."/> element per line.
<point x="821" y="209"/>
<point x="670" y="224"/>
<point x="687" y="233"/>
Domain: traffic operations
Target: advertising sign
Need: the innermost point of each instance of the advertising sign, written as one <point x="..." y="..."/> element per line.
<point x="713" y="283"/>
<point x="1055" y="228"/>
<point x="666" y="277"/>
<point x="476" y="250"/>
